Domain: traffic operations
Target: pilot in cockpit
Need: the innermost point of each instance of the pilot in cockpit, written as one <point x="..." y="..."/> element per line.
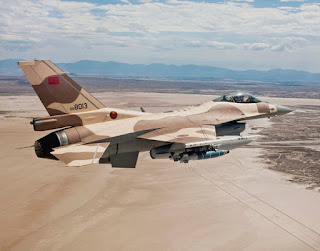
<point x="238" y="97"/>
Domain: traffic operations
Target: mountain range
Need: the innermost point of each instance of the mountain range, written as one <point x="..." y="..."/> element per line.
<point x="163" y="71"/>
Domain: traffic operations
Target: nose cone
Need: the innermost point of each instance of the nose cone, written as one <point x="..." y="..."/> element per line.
<point x="281" y="110"/>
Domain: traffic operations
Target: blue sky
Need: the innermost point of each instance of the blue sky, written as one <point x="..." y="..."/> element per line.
<point x="237" y="34"/>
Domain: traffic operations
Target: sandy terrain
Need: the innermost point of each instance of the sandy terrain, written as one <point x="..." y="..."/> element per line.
<point x="232" y="202"/>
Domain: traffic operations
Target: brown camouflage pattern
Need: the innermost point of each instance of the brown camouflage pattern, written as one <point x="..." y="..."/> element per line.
<point x="94" y="134"/>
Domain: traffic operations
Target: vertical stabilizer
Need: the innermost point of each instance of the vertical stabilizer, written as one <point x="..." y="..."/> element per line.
<point x="57" y="91"/>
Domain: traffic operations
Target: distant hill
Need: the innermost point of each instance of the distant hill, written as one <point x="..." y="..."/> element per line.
<point x="9" y="67"/>
<point x="162" y="71"/>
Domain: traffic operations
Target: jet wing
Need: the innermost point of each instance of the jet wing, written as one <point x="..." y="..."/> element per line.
<point x="181" y="135"/>
<point x="197" y="137"/>
<point x="113" y="153"/>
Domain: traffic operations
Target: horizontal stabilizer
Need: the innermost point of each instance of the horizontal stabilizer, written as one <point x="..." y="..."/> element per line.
<point x="80" y="154"/>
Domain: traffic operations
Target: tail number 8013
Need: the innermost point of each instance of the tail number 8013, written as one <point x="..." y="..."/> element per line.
<point x="81" y="106"/>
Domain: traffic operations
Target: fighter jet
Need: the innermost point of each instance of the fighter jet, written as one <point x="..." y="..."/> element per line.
<point x="88" y="132"/>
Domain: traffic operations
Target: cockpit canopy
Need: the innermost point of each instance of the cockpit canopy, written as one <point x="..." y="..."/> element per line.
<point x="238" y="97"/>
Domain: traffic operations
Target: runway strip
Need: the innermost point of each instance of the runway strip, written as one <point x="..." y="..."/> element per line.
<point x="266" y="210"/>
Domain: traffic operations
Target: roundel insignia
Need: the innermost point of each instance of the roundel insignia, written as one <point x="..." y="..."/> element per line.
<point x="113" y="115"/>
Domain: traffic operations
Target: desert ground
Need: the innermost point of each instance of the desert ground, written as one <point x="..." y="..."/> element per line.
<point x="254" y="198"/>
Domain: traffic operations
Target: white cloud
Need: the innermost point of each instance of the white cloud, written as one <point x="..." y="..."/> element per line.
<point x="169" y="32"/>
<point x="258" y="46"/>
<point x="289" y="44"/>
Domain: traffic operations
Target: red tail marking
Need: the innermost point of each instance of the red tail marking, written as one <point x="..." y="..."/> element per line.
<point x="54" y="80"/>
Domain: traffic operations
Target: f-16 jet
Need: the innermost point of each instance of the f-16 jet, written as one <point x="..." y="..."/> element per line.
<point x="87" y="132"/>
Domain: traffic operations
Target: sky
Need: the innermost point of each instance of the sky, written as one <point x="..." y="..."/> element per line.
<point x="235" y="34"/>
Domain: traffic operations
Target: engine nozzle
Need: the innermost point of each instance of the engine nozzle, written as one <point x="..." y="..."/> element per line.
<point x="44" y="146"/>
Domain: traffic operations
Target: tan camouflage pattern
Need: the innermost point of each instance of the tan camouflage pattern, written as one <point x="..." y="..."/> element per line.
<point x="61" y="98"/>
<point x="80" y="154"/>
<point x="94" y="134"/>
<point x="181" y="126"/>
<point x="80" y="119"/>
<point x="192" y="118"/>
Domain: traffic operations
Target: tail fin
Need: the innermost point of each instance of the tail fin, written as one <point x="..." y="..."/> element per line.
<point x="57" y="91"/>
